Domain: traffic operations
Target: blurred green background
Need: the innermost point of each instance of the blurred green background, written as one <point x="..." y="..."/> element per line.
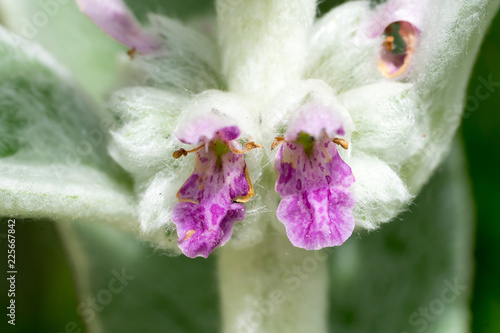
<point x="481" y="130"/>
<point x="46" y="292"/>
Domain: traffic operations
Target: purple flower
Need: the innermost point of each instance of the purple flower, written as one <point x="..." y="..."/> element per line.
<point x="116" y="20"/>
<point x="314" y="181"/>
<point x="211" y="199"/>
<point x="401" y="23"/>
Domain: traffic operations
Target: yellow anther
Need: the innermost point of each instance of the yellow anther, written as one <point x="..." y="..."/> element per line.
<point x="341" y="142"/>
<point x="183" y="152"/>
<point x="277" y="141"/>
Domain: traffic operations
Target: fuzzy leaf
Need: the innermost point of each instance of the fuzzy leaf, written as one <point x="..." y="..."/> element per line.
<point x="143" y="144"/>
<point x="53" y="160"/>
<point x="189" y="65"/>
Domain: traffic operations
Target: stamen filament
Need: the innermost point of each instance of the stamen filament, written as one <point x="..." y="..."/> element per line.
<point x="388" y="43"/>
<point x="249" y="146"/>
<point x="341" y="142"/>
<point x="183" y="152"/>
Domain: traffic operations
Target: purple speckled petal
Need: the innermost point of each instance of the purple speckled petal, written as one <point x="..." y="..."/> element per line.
<point x="205" y="128"/>
<point x="313" y="120"/>
<point x="395" y="11"/>
<point x="317" y="206"/>
<point x="323" y="168"/>
<point x="230" y="133"/>
<point x="209" y="177"/>
<point x="206" y="214"/>
<point x="212" y="225"/>
<point x="116" y="20"/>
<point x="318" y="218"/>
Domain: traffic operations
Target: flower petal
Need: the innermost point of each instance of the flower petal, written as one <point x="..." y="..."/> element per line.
<point x="318" y="218"/>
<point x="209" y="177"/>
<point x="313" y="120"/>
<point x="297" y="172"/>
<point x="206" y="214"/>
<point x="202" y="228"/>
<point x="205" y="128"/>
<point x="317" y="206"/>
<point x="116" y="20"/>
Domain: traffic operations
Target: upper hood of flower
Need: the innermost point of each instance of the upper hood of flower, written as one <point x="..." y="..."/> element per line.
<point x="205" y="128"/>
<point x="314" y="120"/>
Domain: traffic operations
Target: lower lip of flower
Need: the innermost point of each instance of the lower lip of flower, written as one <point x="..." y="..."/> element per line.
<point x="313" y="181"/>
<point x="210" y="201"/>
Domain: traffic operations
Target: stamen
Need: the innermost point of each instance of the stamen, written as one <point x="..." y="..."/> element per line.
<point x="183" y="152"/>
<point x="249" y="146"/>
<point x="388" y="43"/>
<point x="341" y="142"/>
<point x="252" y="145"/>
<point x="277" y="141"/>
<point x="131" y="53"/>
<point x="251" y="191"/>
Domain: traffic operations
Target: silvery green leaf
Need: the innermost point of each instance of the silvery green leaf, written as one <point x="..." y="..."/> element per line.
<point x="53" y="159"/>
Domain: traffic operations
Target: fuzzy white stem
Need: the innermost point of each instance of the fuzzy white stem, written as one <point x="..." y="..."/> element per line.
<point x="273" y="287"/>
<point x="263" y="43"/>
